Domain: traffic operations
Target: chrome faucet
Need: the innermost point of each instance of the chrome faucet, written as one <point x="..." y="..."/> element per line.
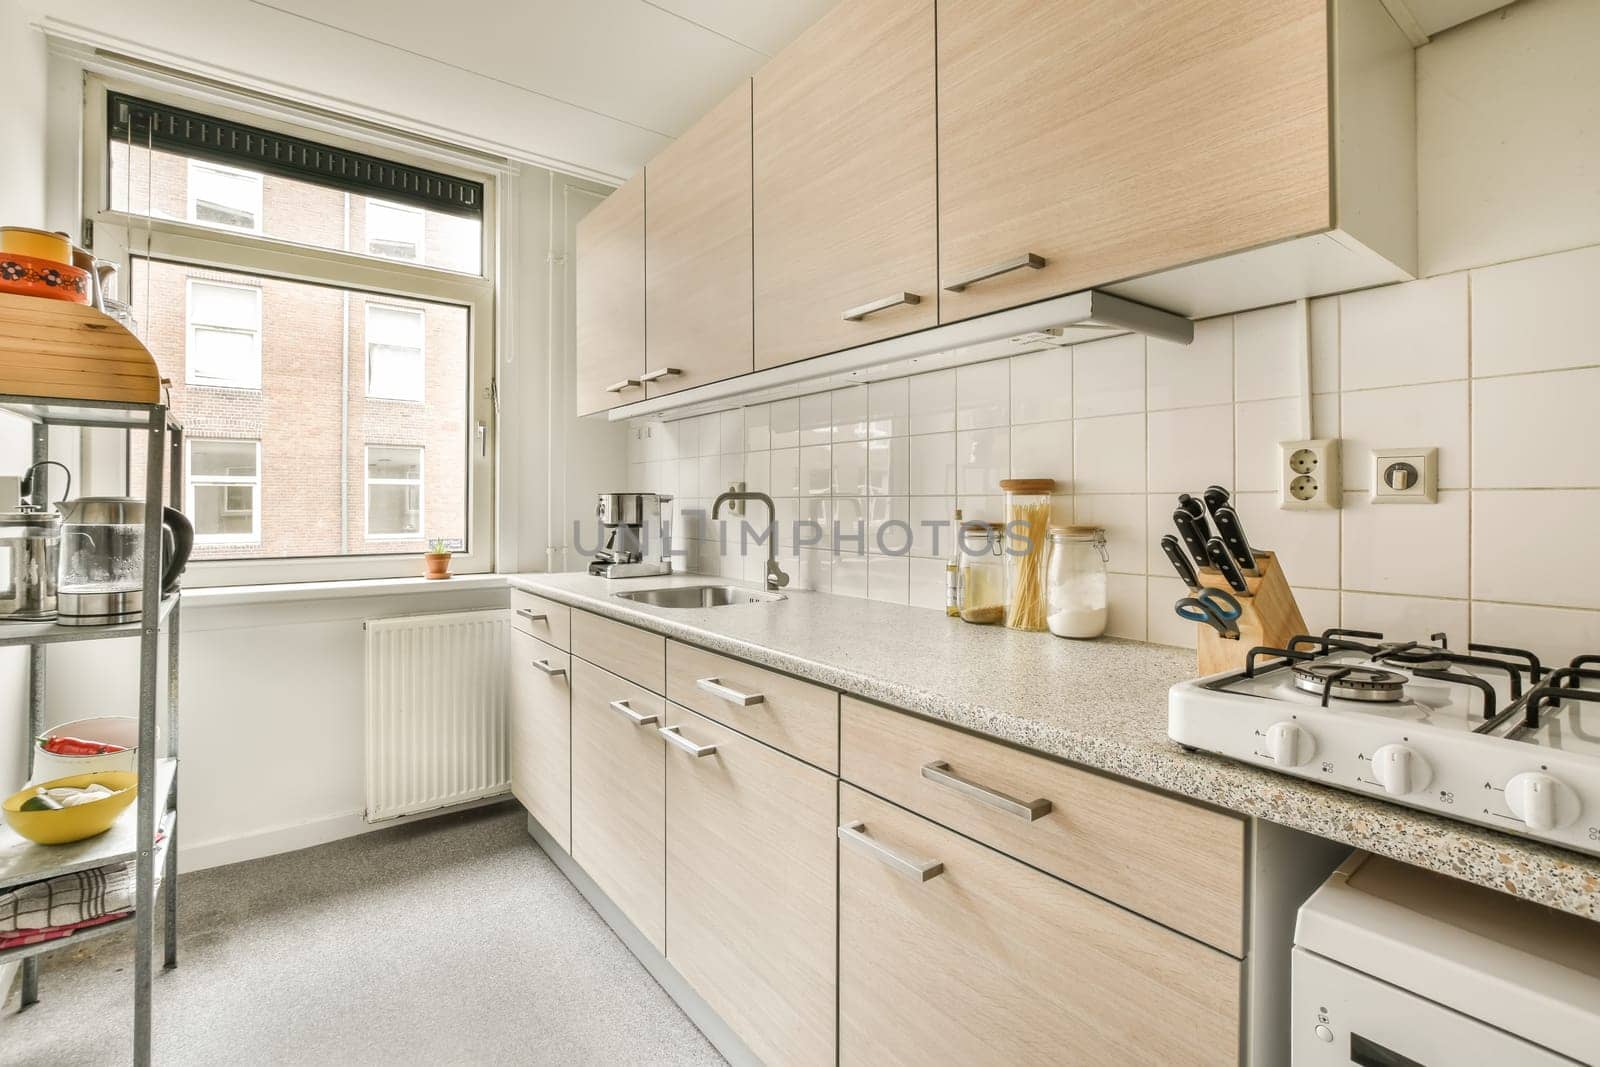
<point x="776" y="579"/>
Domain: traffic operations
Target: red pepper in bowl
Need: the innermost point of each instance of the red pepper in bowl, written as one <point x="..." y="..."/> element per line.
<point x="75" y="746"/>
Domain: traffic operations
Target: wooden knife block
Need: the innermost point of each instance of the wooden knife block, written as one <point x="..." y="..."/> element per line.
<point x="1269" y="616"/>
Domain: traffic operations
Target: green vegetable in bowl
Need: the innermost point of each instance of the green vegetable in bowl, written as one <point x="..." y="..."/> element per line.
<point x="41" y="802"/>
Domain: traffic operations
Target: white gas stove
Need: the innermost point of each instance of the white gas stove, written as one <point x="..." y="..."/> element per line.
<point x="1489" y="736"/>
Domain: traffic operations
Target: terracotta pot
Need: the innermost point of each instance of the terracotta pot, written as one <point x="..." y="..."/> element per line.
<point x="438" y="564"/>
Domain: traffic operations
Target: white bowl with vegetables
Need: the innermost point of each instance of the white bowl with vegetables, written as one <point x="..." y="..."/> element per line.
<point x="87" y="746"/>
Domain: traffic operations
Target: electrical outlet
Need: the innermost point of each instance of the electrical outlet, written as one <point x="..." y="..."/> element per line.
<point x="735" y="507"/>
<point x="1405" y="475"/>
<point x="1308" y="474"/>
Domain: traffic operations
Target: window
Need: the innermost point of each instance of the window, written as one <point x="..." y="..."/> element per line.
<point x="395" y="232"/>
<point x="394" y="492"/>
<point x="316" y="361"/>
<point x="224" y="196"/>
<point x="224" y="491"/>
<point x="224" y="335"/>
<point x="394" y="352"/>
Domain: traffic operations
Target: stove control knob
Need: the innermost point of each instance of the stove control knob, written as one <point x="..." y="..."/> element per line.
<point x="1289" y="745"/>
<point x="1400" y="770"/>
<point x="1537" y="800"/>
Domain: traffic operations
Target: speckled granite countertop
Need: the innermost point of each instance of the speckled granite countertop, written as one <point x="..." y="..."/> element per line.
<point x="1101" y="703"/>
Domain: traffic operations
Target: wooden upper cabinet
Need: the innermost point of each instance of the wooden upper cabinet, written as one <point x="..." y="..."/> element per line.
<point x="845" y="183"/>
<point x="1093" y="141"/>
<point x="610" y="301"/>
<point x="697" y="253"/>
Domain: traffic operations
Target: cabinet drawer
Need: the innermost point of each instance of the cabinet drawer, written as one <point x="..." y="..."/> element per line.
<point x="635" y="654"/>
<point x="991" y="961"/>
<point x="541" y="733"/>
<point x="798" y="717"/>
<point x="1179" y="863"/>
<point x="752" y="868"/>
<point x="545" y="619"/>
<point x="619" y="794"/>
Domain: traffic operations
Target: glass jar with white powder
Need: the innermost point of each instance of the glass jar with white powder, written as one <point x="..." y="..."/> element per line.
<point x="1077" y="581"/>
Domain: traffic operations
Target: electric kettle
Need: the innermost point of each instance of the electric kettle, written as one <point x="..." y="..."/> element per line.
<point x="101" y="581"/>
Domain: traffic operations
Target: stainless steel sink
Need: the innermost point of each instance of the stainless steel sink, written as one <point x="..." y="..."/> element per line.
<point x="699" y="596"/>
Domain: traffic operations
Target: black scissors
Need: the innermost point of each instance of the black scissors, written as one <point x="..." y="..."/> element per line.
<point x="1216" y="608"/>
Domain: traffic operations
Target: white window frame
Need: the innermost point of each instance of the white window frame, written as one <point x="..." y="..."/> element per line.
<point x="422" y="350"/>
<point x="254" y="536"/>
<point x="193" y="201"/>
<point x="420" y="481"/>
<point x="119" y="236"/>
<point x="251" y="382"/>
<point x="422" y="235"/>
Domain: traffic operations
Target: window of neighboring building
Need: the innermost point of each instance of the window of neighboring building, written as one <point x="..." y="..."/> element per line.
<point x="224" y="196"/>
<point x="224" y="491"/>
<point x="394" y="492"/>
<point x="223" y="326"/>
<point x="394" y="351"/>
<point x="395" y="231"/>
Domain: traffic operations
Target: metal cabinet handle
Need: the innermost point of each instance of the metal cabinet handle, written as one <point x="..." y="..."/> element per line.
<point x="1028" y="810"/>
<point x="532" y="616"/>
<point x="856" y="314"/>
<point x="626" y="383"/>
<point x="621" y="708"/>
<point x="657" y="375"/>
<point x="715" y="687"/>
<point x="994" y="270"/>
<point x="854" y="835"/>
<point x="673" y="736"/>
<point x="544" y="665"/>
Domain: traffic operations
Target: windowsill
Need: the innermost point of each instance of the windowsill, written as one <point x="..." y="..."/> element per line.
<point x="231" y="595"/>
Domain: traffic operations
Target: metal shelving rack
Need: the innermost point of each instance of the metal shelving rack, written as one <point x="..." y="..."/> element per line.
<point x="156" y="809"/>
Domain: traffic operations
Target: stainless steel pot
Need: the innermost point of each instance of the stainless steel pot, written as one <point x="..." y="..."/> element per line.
<point x="102" y="559"/>
<point x="30" y="544"/>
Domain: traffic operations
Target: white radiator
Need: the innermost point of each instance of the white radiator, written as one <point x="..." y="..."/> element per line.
<point x="436" y="711"/>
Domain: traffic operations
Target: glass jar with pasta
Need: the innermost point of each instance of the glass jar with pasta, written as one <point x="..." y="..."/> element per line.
<point x="1027" y="550"/>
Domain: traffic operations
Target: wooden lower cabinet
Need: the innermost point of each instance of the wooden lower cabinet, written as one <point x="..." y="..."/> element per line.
<point x="541" y="733"/>
<point x="992" y="961"/>
<point x="751" y="876"/>
<point x="619" y="794"/>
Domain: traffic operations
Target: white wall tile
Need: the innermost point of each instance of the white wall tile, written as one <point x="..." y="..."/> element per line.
<point x="850" y="576"/>
<point x="983" y="395"/>
<point x="816" y="470"/>
<point x="730" y="431"/>
<point x="932" y="525"/>
<point x="816" y="419"/>
<point x="814" y="571"/>
<point x="689" y="477"/>
<point x="757" y="427"/>
<point x="1043" y="450"/>
<point x="682" y="438"/>
<point x="1405" y="618"/>
<point x="850" y="468"/>
<point x="1266" y="353"/>
<point x="1195" y="374"/>
<point x="1125" y="601"/>
<point x="1108" y="376"/>
<point x="1325" y="344"/>
<point x="983" y="459"/>
<point x="1041" y="386"/>
<point x="848" y="533"/>
<point x="889" y="579"/>
<point x="927" y="577"/>
<point x="1160" y="507"/>
<point x="730" y="469"/>
<point x="984" y="507"/>
<point x="888" y="466"/>
<point x="1537" y="430"/>
<point x="1404" y="334"/>
<point x="1536" y="547"/>
<point x="758" y="472"/>
<point x="1108" y="454"/>
<point x="1123" y="517"/>
<point x="849" y="413"/>
<point x="1189" y="449"/>
<point x="1165" y="627"/>
<point x="1537" y="314"/>
<point x="785" y="423"/>
<point x="933" y="402"/>
<point x="1259" y="427"/>
<point x="708" y="434"/>
<point x="1306" y="543"/>
<point x="1415" y="549"/>
<point x="1556" y="635"/>
<point x="709" y="478"/>
<point x="1420" y="415"/>
<point x="889" y="408"/>
<point x="889" y="525"/>
<point x="933" y="464"/>
<point x="1319" y="608"/>
<point x="1325" y="417"/>
<point x="785" y="472"/>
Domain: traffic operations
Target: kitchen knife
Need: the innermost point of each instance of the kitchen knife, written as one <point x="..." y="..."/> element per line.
<point x="1231" y="530"/>
<point x="1180" y="562"/>
<point x="1192" y="506"/>
<point x="1195" y="532"/>
<point x="1224" y="563"/>
<point x="1215" y="497"/>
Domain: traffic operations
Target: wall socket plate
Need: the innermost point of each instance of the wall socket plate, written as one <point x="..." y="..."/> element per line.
<point x="1405" y="475"/>
<point x="735" y="507"/>
<point x="1308" y="474"/>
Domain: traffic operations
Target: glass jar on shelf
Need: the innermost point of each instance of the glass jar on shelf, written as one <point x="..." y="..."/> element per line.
<point x="1027" y="550"/>
<point x="1077" y="581"/>
<point x="983" y="572"/>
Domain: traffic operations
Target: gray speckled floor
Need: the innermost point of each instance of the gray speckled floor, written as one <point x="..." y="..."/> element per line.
<point x="449" y="941"/>
<point x="1100" y="703"/>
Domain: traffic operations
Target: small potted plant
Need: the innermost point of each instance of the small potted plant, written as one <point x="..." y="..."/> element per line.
<point x="438" y="558"/>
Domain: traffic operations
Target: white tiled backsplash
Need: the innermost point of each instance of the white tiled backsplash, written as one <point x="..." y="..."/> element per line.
<point x="1498" y="367"/>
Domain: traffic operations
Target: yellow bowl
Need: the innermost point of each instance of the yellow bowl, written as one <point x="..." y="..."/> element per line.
<point x="62" y="826"/>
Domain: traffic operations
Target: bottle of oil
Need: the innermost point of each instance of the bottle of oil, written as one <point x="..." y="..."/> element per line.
<point x="952" y="571"/>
